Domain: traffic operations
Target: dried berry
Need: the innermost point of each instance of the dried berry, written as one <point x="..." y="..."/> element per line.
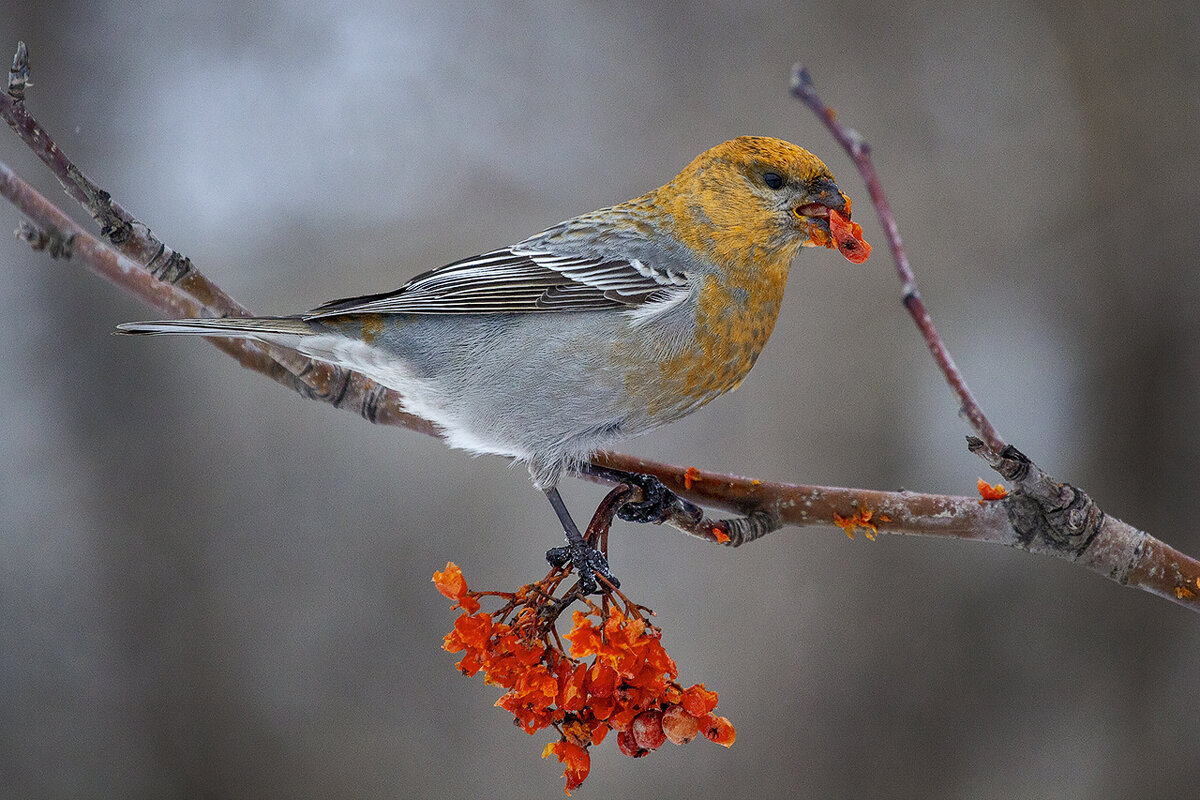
<point x="679" y="726"/>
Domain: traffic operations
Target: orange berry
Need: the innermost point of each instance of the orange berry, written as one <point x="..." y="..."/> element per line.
<point x="718" y="729"/>
<point x="699" y="701"/>
<point x="679" y="726"/>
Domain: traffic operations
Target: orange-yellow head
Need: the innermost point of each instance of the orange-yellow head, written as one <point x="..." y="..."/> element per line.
<point x="754" y="198"/>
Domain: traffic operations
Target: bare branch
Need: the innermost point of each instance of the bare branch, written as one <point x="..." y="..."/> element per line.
<point x="860" y="153"/>
<point x="194" y="295"/>
<point x="18" y="73"/>
<point x="1044" y="516"/>
<point x="48" y="224"/>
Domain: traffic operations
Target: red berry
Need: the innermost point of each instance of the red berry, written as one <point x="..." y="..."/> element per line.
<point x="628" y="746"/>
<point x="647" y="729"/>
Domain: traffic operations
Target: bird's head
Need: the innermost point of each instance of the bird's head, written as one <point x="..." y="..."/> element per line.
<point x="764" y="193"/>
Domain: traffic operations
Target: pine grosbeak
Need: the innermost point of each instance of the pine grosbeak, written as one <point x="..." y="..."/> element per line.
<point x="602" y="327"/>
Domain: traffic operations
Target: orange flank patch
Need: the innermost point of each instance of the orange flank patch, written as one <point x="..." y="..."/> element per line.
<point x="690" y="475"/>
<point x="988" y="492"/>
<point x="719" y="534"/>
<point x="861" y="518"/>
<point x="1184" y="593"/>
<point x="372" y="327"/>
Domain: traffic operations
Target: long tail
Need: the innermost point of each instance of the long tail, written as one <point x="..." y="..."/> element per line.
<point x="317" y="340"/>
<point x="273" y="329"/>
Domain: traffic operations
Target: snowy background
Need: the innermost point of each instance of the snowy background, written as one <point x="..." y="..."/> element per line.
<point x="211" y="587"/>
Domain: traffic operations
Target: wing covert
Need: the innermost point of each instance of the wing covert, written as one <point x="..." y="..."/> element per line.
<point x="514" y="280"/>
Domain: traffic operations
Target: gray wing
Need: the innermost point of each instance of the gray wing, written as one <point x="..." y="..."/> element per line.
<point x="516" y="280"/>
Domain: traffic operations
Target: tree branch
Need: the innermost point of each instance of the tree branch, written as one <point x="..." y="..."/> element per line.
<point x="180" y="289"/>
<point x="1041" y="517"/>
<point x="1044" y="516"/>
<point x="860" y="153"/>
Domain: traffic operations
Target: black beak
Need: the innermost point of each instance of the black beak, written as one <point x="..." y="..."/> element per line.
<point x="827" y="193"/>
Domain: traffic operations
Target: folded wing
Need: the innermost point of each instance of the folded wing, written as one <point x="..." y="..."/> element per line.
<point x="514" y="280"/>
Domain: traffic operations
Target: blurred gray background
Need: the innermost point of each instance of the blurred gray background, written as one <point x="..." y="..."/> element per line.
<point x="211" y="587"/>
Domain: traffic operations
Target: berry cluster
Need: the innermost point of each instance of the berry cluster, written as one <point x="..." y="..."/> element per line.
<point x="616" y="676"/>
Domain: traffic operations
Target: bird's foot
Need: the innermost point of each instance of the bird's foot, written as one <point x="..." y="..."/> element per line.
<point x="656" y="504"/>
<point x="588" y="562"/>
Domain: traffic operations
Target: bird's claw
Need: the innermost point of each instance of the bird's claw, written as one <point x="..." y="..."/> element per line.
<point x="657" y="500"/>
<point x="587" y="561"/>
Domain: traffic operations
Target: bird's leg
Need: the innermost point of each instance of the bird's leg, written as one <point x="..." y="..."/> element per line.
<point x="597" y="529"/>
<point x="580" y="553"/>
<point x="658" y="502"/>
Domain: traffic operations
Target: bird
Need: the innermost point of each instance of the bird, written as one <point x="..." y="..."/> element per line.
<point x="602" y="327"/>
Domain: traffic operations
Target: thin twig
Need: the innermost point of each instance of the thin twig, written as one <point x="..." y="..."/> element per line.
<point x="860" y="153"/>
<point x="1043" y="515"/>
<point x="201" y="297"/>
<point x="48" y="224"/>
<point x="18" y="73"/>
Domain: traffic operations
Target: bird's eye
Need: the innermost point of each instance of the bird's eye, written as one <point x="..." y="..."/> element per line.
<point x="773" y="180"/>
